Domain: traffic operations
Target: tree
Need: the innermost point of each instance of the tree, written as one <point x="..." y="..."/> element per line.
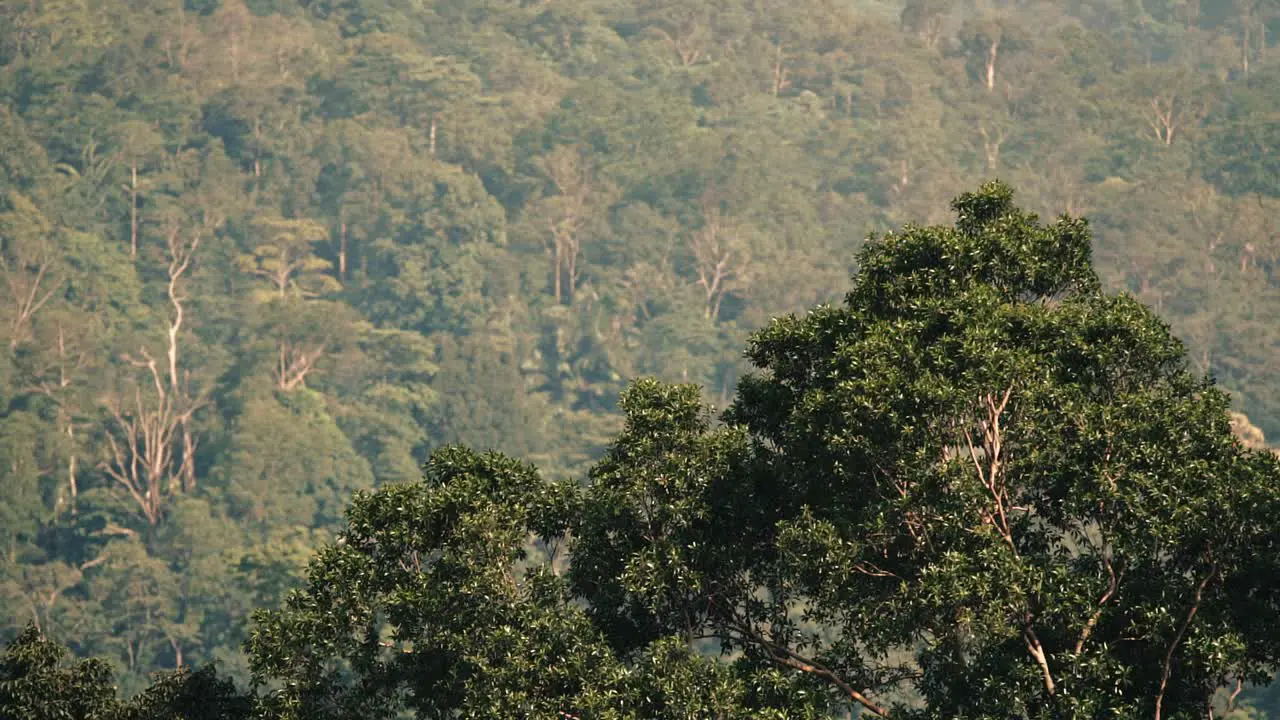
<point x="811" y="124"/>
<point x="139" y="145"/>
<point x="283" y="254"/>
<point x="288" y="464"/>
<point x="36" y="685"/>
<point x="982" y="482"/>
<point x="571" y="215"/>
<point x="29" y="262"/>
<point x="926" y="19"/>
<point x="511" y="419"/>
<point x="721" y="258"/>
<point x="186" y="694"/>
<point x="150" y="444"/>
<point x="984" y="39"/>
<point x="427" y="599"/>
<point x="1244" y="131"/>
<point x="982" y="479"/>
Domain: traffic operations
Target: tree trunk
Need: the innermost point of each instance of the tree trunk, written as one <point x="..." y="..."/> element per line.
<point x="1244" y="49"/>
<point x="557" y="262"/>
<point x="72" y="487"/>
<point x="991" y="65"/>
<point x="188" y="467"/>
<point x="779" y="74"/>
<point x="342" y="250"/>
<point x="133" y="211"/>
<point x="572" y="268"/>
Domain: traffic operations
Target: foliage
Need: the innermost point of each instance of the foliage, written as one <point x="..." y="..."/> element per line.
<point x="258" y="254"/>
<point x="980" y="487"/>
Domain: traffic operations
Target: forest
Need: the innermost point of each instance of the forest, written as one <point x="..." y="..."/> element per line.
<point x="263" y="257"/>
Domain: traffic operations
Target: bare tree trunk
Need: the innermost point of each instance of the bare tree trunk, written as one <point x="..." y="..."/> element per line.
<point x="779" y="73"/>
<point x="188" y="466"/>
<point x="431" y="137"/>
<point x="1244" y="48"/>
<point x="558" y="264"/>
<point x="142" y="461"/>
<point x="71" y="471"/>
<point x="177" y="650"/>
<point x="573" y="182"/>
<point x="991" y="143"/>
<point x="295" y="362"/>
<point x="572" y="269"/>
<point x="133" y="210"/>
<point x="66" y="365"/>
<point x="991" y="65"/>
<point x="721" y="267"/>
<point x="342" y="248"/>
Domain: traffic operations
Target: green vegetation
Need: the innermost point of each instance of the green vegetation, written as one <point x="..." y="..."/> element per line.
<point x="981" y="488"/>
<point x="261" y="256"/>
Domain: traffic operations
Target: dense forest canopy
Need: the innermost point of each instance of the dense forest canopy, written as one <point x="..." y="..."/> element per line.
<point x="980" y="488"/>
<point x="258" y="255"/>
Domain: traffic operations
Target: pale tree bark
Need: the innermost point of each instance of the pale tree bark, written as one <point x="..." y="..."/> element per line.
<point x="780" y="81"/>
<point x="40" y="599"/>
<point x="145" y="454"/>
<point x="132" y="189"/>
<point x="1169" y="112"/>
<point x="342" y="245"/>
<point x="53" y="379"/>
<point x="993" y="50"/>
<point x="574" y="184"/>
<point x="1249" y="22"/>
<point x="1163" y="117"/>
<point x="295" y="361"/>
<point x="987" y="453"/>
<point x="721" y="260"/>
<point x="903" y="179"/>
<point x="150" y="442"/>
<point x="992" y="139"/>
<point x="688" y="43"/>
<point x="180" y="255"/>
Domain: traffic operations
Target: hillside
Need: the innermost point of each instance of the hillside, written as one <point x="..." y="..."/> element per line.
<point x="259" y="254"/>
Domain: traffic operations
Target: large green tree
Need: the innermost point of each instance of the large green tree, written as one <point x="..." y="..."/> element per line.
<point x="981" y="487"/>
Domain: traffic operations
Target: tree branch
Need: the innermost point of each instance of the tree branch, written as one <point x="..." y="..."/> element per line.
<point x="1037" y="652"/>
<point x="1186" y="622"/>
<point x="1112" y="584"/>
<point x="784" y="655"/>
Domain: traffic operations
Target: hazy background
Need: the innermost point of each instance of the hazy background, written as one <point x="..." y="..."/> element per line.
<point x="259" y="254"/>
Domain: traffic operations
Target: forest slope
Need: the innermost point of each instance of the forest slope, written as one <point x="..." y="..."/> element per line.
<point x="259" y="254"/>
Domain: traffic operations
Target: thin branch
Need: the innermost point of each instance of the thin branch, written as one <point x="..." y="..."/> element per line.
<point x="784" y="655"/>
<point x="1186" y="622"/>
<point x="1112" y="584"/>
<point x="1037" y="652"/>
<point x="1231" y="701"/>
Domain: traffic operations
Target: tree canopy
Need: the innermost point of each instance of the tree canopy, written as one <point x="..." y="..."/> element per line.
<point x="982" y="487"/>
<point x="259" y="255"/>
